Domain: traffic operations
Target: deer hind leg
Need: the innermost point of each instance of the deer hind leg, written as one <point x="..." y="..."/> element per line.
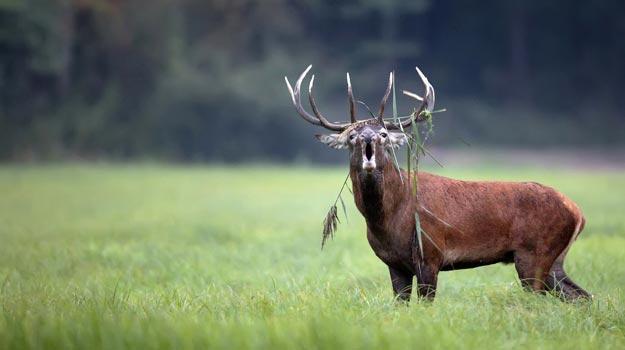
<point x="533" y="270"/>
<point x="402" y="283"/>
<point x="559" y="281"/>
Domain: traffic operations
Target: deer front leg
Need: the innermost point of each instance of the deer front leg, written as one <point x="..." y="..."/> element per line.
<point x="402" y="283"/>
<point x="427" y="277"/>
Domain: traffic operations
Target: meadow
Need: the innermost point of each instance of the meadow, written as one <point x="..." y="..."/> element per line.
<point x="152" y="256"/>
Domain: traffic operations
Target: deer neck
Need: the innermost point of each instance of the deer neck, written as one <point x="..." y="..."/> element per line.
<point x="379" y="193"/>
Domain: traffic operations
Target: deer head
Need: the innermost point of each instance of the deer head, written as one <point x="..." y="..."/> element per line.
<point x="369" y="141"/>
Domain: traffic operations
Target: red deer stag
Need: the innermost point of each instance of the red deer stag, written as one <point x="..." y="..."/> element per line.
<point x="468" y="223"/>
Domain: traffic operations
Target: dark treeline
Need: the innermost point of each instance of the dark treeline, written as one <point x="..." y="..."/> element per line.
<point x="195" y="79"/>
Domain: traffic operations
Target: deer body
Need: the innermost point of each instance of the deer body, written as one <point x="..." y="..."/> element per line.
<point x="465" y="223"/>
<point x="470" y="224"/>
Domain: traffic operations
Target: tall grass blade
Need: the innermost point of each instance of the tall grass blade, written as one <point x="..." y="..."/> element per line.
<point x="396" y="120"/>
<point x="428" y="153"/>
<point x="344" y="210"/>
<point x="367" y="108"/>
<point x="418" y="230"/>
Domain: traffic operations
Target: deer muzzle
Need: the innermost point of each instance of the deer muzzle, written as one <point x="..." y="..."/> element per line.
<point x="368" y="155"/>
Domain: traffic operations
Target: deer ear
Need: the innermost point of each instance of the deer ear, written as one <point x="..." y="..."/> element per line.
<point x="397" y="139"/>
<point x="336" y="141"/>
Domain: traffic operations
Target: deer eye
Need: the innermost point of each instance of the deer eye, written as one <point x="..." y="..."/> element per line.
<point x="351" y="137"/>
<point x="383" y="134"/>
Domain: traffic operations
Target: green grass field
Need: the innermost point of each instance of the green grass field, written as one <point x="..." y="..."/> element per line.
<point x="150" y="256"/>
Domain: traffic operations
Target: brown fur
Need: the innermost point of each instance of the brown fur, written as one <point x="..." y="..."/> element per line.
<point x="470" y="224"/>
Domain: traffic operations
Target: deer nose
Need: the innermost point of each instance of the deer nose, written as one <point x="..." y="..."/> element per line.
<point x="367" y="137"/>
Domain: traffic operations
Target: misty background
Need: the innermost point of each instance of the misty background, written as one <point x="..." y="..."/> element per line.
<point x="191" y="80"/>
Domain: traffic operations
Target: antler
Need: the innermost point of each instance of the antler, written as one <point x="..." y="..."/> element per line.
<point x="427" y="102"/>
<point x="385" y="98"/>
<point x="352" y="101"/>
<point x="318" y="118"/>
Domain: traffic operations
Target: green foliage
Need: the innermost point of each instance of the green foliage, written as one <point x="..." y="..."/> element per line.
<point x="148" y="256"/>
<point x="191" y="79"/>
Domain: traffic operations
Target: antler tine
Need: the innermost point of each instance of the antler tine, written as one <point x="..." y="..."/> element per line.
<point x="427" y="101"/>
<point x="327" y="124"/>
<point x="385" y="98"/>
<point x="352" y="101"/>
<point x="296" y="98"/>
<point x="430" y="96"/>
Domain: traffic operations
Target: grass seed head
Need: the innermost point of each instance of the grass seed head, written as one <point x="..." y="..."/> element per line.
<point x="330" y="224"/>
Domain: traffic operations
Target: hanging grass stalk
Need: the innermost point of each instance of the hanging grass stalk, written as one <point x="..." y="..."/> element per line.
<point x="344" y="209"/>
<point x="396" y="120"/>
<point x="415" y="146"/>
<point x="413" y="153"/>
<point x="331" y="221"/>
<point x="428" y="153"/>
<point x="416" y="149"/>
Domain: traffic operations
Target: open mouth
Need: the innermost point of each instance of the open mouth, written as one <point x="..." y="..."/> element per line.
<point x="368" y="157"/>
<point x="368" y="151"/>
